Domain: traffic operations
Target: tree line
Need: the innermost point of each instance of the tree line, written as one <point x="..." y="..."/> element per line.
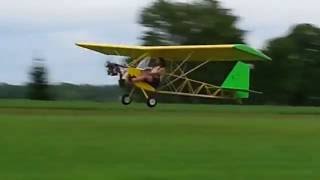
<point x="63" y="91"/>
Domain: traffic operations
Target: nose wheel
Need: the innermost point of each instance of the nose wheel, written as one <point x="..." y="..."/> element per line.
<point x="126" y="99"/>
<point x="152" y="102"/>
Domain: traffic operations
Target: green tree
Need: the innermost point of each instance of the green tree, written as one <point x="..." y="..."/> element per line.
<point x="292" y="77"/>
<point x="200" y="22"/>
<point x="38" y="88"/>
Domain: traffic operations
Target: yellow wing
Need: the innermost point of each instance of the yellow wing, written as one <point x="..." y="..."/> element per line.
<point x="234" y="52"/>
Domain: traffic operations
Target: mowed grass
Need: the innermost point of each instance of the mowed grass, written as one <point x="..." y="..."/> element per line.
<point x="98" y="141"/>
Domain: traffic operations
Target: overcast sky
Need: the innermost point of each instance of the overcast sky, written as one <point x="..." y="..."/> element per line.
<point x="49" y="29"/>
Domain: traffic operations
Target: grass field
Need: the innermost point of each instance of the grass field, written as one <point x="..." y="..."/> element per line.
<point x="99" y="141"/>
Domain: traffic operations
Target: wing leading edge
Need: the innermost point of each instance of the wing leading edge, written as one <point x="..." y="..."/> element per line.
<point x="234" y="52"/>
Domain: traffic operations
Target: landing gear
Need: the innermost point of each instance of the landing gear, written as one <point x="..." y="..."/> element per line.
<point x="126" y="99"/>
<point x="152" y="102"/>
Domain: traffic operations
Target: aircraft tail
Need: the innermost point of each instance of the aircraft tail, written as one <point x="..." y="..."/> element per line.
<point x="239" y="80"/>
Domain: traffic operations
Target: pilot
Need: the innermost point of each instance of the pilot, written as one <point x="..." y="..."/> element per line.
<point x="154" y="75"/>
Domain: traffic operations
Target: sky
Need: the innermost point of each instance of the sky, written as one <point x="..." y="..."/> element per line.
<point x="49" y="29"/>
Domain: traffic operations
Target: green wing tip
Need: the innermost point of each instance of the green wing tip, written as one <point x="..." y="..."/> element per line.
<point x="255" y="52"/>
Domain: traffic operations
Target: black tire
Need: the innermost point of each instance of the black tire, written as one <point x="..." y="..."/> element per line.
<point x="126" y="99"/>
<point x="152" y="102"/>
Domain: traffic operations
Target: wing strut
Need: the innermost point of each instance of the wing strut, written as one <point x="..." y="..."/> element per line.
<point x="183" y="75"/>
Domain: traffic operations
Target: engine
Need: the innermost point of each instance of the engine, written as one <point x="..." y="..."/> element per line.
<point x="113" y="69"/>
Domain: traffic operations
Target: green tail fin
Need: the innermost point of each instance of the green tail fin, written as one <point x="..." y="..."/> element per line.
<point x="239" y="79"/>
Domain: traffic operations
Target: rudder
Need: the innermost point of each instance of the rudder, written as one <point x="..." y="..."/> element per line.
<point x="239" y="79"/>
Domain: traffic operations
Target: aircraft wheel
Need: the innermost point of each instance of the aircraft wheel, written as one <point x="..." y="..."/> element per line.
<point x="126" y="99"/>
<point x="152" y="102"/>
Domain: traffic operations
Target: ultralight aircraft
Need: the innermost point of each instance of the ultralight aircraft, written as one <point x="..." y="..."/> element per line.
<point x="175" y="81"/>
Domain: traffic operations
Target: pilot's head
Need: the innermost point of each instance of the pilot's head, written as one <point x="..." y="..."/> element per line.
<point x="161" y="62"/>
